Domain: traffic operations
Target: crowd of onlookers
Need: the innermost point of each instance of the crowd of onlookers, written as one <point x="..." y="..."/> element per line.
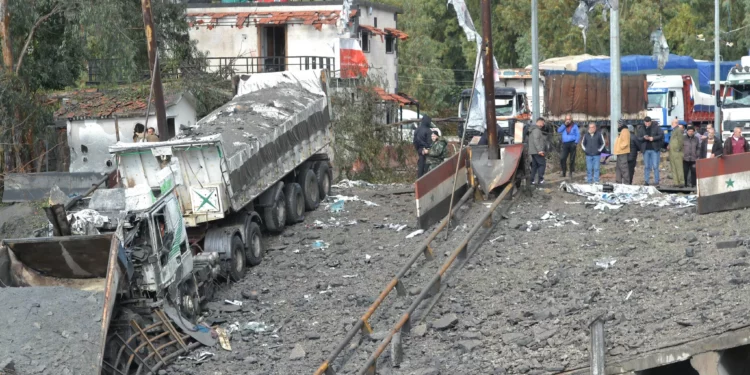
<point x="687" y="143"/>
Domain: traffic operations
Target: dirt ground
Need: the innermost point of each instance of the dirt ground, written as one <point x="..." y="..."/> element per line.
<point x="20" y="220"/>
<point x="521" y="304"/>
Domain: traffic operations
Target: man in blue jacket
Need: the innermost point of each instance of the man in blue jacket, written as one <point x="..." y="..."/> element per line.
<point x="570" y="138"/>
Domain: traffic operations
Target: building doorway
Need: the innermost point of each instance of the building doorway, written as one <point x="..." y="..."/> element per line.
<point x="273" y="48"/>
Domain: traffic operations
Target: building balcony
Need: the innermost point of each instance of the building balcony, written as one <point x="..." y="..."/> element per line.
<point x="105" y="70"/>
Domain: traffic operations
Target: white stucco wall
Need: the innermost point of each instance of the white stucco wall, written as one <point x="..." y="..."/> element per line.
<point x="382" y="65"/>
<point x="227" y="41"/>
<point x="96" y="135"/>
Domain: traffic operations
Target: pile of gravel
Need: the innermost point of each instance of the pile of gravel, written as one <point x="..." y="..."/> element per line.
<point x="50" y="330"/>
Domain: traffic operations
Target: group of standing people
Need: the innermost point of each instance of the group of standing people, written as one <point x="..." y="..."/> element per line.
<point x="140" y="134"/>
<point x="686" y="145"/>
<point x="430" y="146"/>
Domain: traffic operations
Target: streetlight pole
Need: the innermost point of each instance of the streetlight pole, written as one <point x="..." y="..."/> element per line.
<point x="717" y="71"/>
<point x="161" y="111"/>
<point x="534" y="61"/>
<point x="614" y="68"/>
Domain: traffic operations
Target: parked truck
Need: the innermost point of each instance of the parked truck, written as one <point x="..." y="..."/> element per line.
<point x="256" y="162"/>
<point x="133" y="262"/>
<point x="675" y="96"/>
<point x="735" y="99"/>
<point x="511" y="107"/>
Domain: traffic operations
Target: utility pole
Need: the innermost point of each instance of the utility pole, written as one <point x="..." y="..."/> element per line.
<point x="489" y="82"/>
<point x="615" y="101"/>
<point x="717" y="71"/>
<point x="158" y="90"/>
<point x="534" y="62"/>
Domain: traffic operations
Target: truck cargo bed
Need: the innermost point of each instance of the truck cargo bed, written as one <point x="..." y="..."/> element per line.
<point x="275" y="123"/>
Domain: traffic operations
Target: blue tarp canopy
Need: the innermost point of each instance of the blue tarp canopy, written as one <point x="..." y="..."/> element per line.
<point x="706" y="73"/>
<point x="636" y="64"/>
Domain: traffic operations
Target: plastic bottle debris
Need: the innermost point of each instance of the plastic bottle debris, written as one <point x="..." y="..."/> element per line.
<point x="198" y="357"/>
<point x="415" y="233"/>
<point x="320" y="245"/>
<point x="605" y="262"/>
<point x="255" y="327"/>
<point x="337" y="206"/>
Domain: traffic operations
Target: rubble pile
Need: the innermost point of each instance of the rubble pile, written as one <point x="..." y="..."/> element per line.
<point x="51" y="330"/>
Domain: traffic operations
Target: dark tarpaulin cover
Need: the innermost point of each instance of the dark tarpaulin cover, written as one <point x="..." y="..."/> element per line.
<point x="579" y="93"/>
<point x="567" y="92"/>
<point x="577" y="96"/>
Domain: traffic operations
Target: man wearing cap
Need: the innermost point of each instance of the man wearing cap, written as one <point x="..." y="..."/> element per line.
<point x="691" y="150"/>
<point x="651" y="140"/>
<point x="675" y="148"/>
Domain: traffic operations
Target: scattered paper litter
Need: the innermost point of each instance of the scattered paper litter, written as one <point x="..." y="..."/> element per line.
<point x="353" y="199"/>
<point x="627" y="194"/>
<point x="347" y="184"/>
<point x="605" y="262"/>
<point x="415" y="233"/>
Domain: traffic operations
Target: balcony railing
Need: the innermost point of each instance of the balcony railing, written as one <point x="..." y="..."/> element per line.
<point x="101" y="70"/>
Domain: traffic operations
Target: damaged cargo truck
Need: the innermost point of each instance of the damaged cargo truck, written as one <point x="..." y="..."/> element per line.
<point x="257" y="162"/>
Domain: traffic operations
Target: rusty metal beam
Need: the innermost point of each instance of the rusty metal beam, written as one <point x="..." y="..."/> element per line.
<point x="363" y="324"/>
<point x="426" y="291"/>
<point x="158" y="89"/>
<point x="489" y="81"/>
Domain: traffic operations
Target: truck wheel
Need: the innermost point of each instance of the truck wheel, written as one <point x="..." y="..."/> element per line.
<point x="275" y="216"/>
<point x="295" y="203"/>
<point x="323" y="175"/>
<point x="237" y="266"/>
<point x="310" y="190"/>
<point x="255" y="249"/>
<point x="189" y="300"/>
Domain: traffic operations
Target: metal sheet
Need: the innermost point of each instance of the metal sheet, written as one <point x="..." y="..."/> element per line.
<point x="75" y="257"/>
<point x="434" y="190"/>
<point x="24" y="187"/>
<point x="494" y="173"/>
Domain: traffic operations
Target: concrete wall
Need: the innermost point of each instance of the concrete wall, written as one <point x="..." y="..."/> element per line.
<point x="89" y="140"/>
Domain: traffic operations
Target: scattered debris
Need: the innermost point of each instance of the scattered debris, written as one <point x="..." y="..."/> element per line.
<point x="415" y="233"/>
<point x="348" y="184"/>
<point x="224" y="339"/>
<point x="199" y="356"/>
<point x="355" y="198"/>
<point x="336" y="206"/>
<point x="627" y="194"/>
<point x="320" y="245"/>
<point x="297" y="353"/>
<point x="605" y="262"/>
<point x="255" y="327"/>
<point x="630" y="293"/>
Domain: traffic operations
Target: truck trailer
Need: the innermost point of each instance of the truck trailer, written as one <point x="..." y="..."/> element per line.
<point x="677" y="97"/>
<point x="258" y="162"/>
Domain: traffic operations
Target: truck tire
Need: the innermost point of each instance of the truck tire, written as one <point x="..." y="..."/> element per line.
<point x="189" y="299"/>
<point x="274" y="216"/>
<point x="255" y="251"/>
<point x="237" y="267"/>
<point x="295" y="203"/>
<point x="310" y="190"/>
<point x="324" y="176"/>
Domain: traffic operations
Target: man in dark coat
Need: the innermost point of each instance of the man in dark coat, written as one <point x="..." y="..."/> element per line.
<point x="484" y="140"/>
<point x="422" y="141"/>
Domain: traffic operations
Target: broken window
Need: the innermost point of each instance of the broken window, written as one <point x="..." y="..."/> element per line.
<point x="365" y="40"/>
<point x="390" y="44"/>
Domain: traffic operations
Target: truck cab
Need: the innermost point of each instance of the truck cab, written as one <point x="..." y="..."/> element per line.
<point x="735" y="103"/>
<point x="677" y="97"/>
<point x="511" y="105"/>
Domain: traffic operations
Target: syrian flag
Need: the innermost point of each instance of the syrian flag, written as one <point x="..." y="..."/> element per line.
<point x="723" y="183"/>
<point x="352" y="59"/>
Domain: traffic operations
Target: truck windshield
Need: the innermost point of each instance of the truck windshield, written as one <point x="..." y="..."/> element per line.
<point x="503" y="106"/>
<point x="740" y="97"/>
<point x="657" y="100"/>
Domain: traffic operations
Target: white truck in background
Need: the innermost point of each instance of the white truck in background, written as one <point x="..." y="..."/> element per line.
<point x="735" y="100"/>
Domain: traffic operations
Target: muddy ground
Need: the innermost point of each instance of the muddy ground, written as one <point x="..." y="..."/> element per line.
<point x="521" y="304"/>
<point x="21" y="220"/>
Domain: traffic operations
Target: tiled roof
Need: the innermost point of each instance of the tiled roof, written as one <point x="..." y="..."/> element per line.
<point x="315" y="18"/>
<point x="372" y="29"/>
<point x="97" y="103"/>
<point x="400" y="99"/>
<point x="397" y="33"/>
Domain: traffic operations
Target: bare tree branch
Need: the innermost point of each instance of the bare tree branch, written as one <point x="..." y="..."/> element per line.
<point x="56" y="9"/>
